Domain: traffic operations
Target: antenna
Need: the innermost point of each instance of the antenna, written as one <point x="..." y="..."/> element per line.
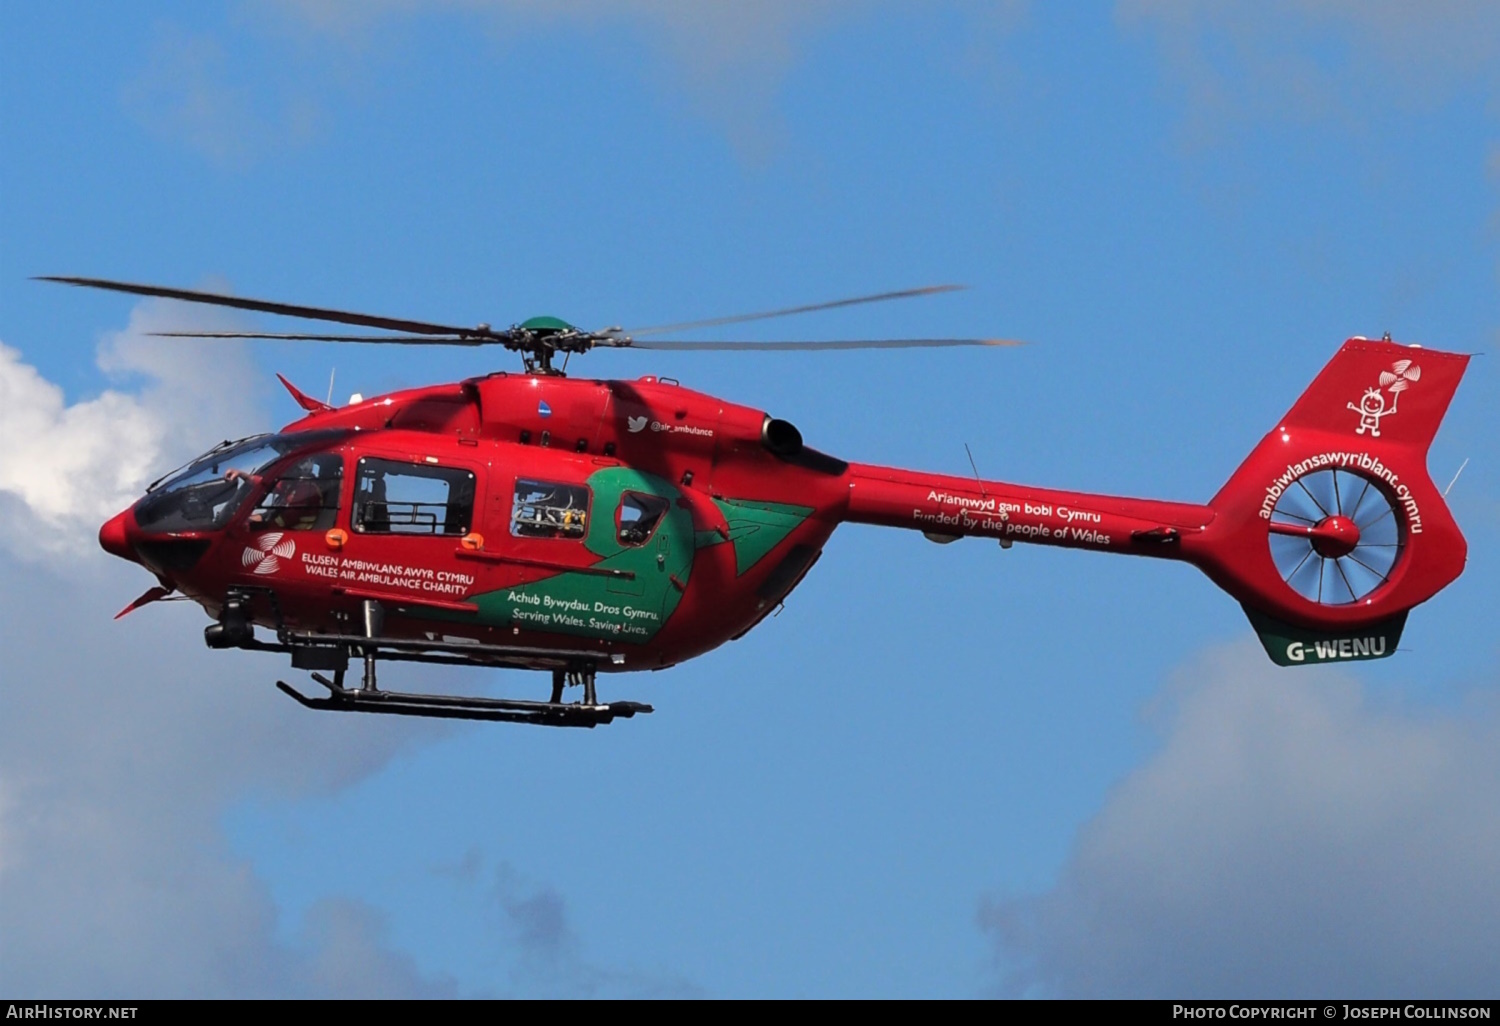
<point x="1460" y="470"/>
<point x="978" y="480"/>
<point x="1005" y="543"/>
<point x="331" y="372"/>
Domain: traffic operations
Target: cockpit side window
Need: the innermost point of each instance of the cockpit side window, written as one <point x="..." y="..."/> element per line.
<point x="546" y="509"/>
<point x="304" y="498"/>
<point x="206" y="494"/>
<point x="392" y="497"/>
<point x="638" y="517"/>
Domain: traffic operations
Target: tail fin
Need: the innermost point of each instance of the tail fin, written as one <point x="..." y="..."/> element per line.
<point x="1332" y="529"/>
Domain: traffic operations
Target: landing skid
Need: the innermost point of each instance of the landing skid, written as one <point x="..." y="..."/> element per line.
<point x="453" y="707"/>
<point x="333" y="652"/>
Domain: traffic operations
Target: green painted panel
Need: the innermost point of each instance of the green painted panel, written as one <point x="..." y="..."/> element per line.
<point x="547" y="324"/>
<point x="1297" y="646"/>
<point x="597" y="606"/>
<point x="755" y="528"/>
<point x="703" y="539"/>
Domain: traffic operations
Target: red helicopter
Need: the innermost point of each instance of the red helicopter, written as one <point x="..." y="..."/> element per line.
<point x="535" y="521"/>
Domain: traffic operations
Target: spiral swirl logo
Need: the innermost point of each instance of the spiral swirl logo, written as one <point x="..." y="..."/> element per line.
<point x="268" y="552"/>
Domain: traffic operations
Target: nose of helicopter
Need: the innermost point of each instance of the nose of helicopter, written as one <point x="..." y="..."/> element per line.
<point x="112" y="538"/>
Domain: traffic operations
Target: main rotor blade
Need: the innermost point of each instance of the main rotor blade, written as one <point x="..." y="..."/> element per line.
<point x="713" y="322"/>
<point x="880" y="343"/>
<point x="315" y="313"/>
<point x="406" y="340"/>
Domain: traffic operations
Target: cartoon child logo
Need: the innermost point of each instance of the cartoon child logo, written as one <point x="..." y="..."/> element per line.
<point x="1372" y="405"/>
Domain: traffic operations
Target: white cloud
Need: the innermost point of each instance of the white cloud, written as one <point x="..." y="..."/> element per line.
<point x="350" y="958"/>
<point x="186" y="91"/>
<point x="1293" y="837"/>
<point x="70" y="462"/>
<point x="122" y="746"/>
<point x="1339" y="64"/>
<point x="1310" y="60"/>
<point x="123" y="743"/>
<point x="729" y="61"/>
<point x="546" y="955"/>
<point x="65" y="468"/>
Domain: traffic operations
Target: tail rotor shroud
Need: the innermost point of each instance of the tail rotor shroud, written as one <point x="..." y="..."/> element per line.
<point x="1336" y="536"/>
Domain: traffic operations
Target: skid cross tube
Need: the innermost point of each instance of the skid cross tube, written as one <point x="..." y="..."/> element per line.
<point x="425" y="651"/>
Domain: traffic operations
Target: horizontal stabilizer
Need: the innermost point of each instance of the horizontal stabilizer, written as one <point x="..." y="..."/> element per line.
<point x="1298" y="646"/>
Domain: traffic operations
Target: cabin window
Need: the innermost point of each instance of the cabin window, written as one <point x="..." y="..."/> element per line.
<point x="391" y="497"/>
<point x="305" y="497"/>
<point x="545" y="509"/>
<point x="639" y="515"/>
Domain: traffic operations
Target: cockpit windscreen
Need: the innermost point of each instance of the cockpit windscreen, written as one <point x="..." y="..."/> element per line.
<point x="205" y="494"/>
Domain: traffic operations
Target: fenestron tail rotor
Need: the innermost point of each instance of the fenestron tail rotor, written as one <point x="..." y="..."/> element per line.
<point x="1336" y="536"/>
<point x="538" y="339"/>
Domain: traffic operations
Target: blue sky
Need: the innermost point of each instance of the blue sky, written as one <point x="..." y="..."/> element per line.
<point x="941" y="771"/>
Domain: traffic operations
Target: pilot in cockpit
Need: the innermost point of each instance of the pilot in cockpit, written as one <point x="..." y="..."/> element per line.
<point x="297" y="501"/>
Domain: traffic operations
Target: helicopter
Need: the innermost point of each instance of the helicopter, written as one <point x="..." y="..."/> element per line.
<point x="530" y="520"/>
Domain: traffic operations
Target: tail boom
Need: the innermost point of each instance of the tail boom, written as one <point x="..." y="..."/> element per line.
<point x="1328" y="533"/>
<point x="944" y="507"/>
